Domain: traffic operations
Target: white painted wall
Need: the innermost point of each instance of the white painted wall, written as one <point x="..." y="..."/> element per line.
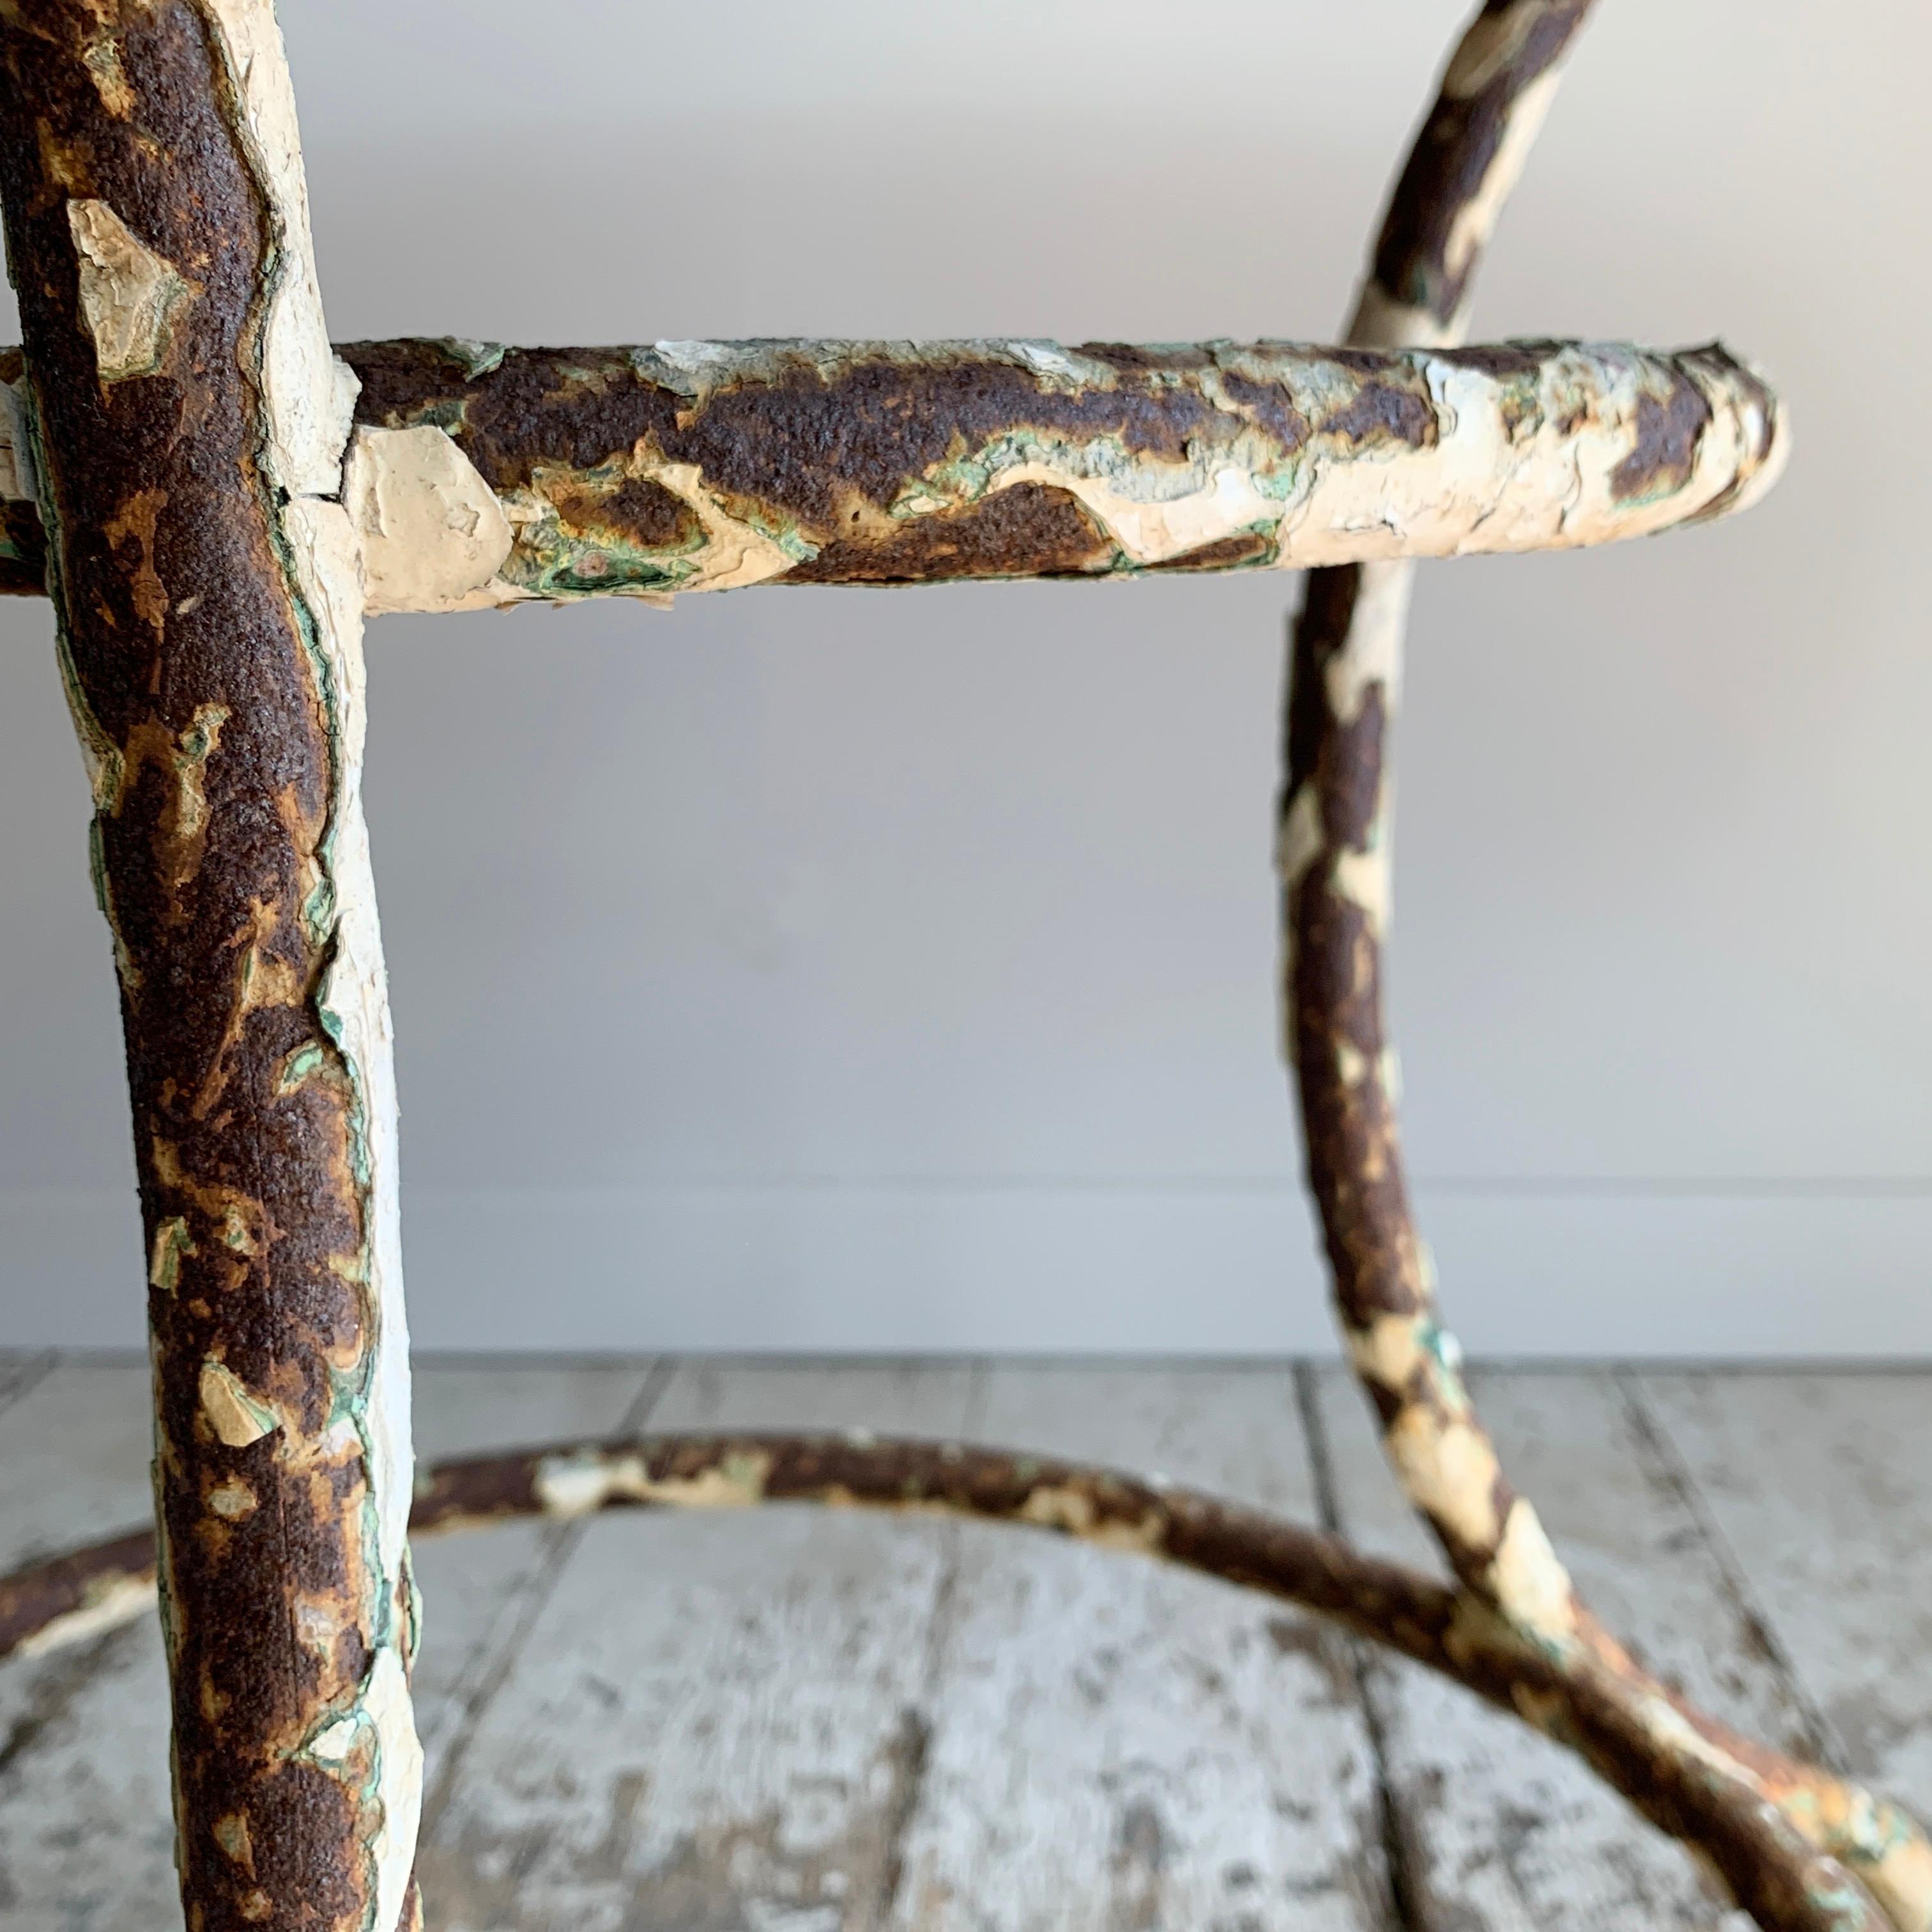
<point x="846" y="969"/>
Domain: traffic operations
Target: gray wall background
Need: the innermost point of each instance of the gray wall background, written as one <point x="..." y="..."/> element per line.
<point x="835" y="969"/>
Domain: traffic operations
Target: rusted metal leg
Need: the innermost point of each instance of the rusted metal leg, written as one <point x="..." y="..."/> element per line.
<point x="173" y="471"/>
<point x="1334" y="851"/>
<point x="184" y="425"/>
<point x="1334" y="858"/>
<point x="1784" y="1880"/>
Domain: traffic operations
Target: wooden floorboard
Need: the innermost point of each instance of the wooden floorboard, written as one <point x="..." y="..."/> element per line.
<point x="478" y="1591"/>
<point x="19" y="1369"/>
<point x="1821" y="1487"/>
<point x="1116" y="1745"/>
<point x="715" y="1721"/>
<point x="85" y="1845"/>
<point x="1501" y="1829"/>
<point x="800" y="1721"/>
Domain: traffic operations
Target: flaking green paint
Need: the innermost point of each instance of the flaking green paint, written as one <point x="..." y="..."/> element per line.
<point x="553" y="562"/>
<point x="264" y="1418"/>
<point x="1444" y="1350"/>
<point x="173" y="1242"/>
<point x="474" y="359"/>
<point x="350" y="1390"/>
<point x="297" y="1066"/>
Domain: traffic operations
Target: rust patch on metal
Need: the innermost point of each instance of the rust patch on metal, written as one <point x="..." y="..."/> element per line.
<point x="636" y="510"/>
<point x="1385" y="407"/>
<point x="808" y="441"/>
<point x="185" y="642"/>
<point x="23" y="551"/>
<point x="1030" y="529"/>
<point x="1452" y="155"/>
<point x="1668" y="430"/>
<point x="1249" y="548"/>
<point x="1502" y="361"/>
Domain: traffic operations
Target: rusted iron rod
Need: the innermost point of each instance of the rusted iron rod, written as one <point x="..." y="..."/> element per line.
<point x="1728" y="1799"/>
<point x="1335" y="842"/>
<point x="480" y="474"/>
<point x="191" y="474"/>
<point x="182" y="423"/>
<point x="1335" y="851"/>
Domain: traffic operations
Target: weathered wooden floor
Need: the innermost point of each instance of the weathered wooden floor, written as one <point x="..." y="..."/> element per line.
<point x="793" y="1721"/>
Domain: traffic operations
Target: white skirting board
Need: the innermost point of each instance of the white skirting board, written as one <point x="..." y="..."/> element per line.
<point x="1194" y="1269"/>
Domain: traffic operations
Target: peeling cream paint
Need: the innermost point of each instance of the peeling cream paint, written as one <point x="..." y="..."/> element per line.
<point x="1492" y="42"/>
<point x="1151" y="528"/>
<point x="308" y="398"/>
<point x="17" y="484"/>
<point x="1351" y="1064"/>
<point x="573" y="1486"/>
<point x="231" y="1833"/>
<point x="740" y="1484"/>
<point x="315" y="1625"/>
<point x="353" y="1003"/>
<point x="1476" y="219"/>
<point x="117" y="1603"/>
<point x="1449" y="1470"/>
<point x="384" y="1706"/>
<point x="1054" y="1506"/>
<point x="237" y="1416"/>
<point x="1372" y="657"/>
<point x="1068" y="1508"/>
<point x="1364" y="878"/>
<point x="1531" y="1585"/>
<point x="1382" y="321"/>
<point x="171" y="1241"/>
<point x="1388" y="1352"/>
<point x="233" y="1500"/>
<point x="1898" y="1871"/>
<point x="1301" y="839"/>
<point x="1874" y="1838"/>
<point x="431" y="532"/>
<point x="335" y="1741"/>
<point x="1885" y="1848"/>
<point x="303" y="385"/>
<point x="129" y="295"/>
<point x="104" y="68"/>
<point x="736" y="553"/>
<point x="1146" y="1538"/>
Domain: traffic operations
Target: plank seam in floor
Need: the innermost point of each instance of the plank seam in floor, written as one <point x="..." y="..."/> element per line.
<point x="1404" y="1900"/>
<point x="1820" y="1742"/>
<point x="560" y="1542"/>
<point x="922" y="1720"/>
<point x="20" y="1373"/>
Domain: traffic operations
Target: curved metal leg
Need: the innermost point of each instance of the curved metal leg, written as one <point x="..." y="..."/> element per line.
<point x="1334" y="854"/>
<point x="1782" y="1879"/>
<point x="183" y="433"/>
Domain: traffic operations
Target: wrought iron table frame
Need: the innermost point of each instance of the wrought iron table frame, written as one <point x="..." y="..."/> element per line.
<point x="213" y="499"/>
